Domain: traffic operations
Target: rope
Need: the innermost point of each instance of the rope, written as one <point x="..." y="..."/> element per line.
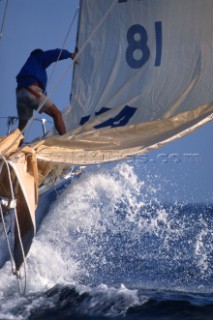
<point x="63" y="45"/>
<point x="43" y="102"/>
<point x="78" y="53"/>
<point x="13" y="265"/>
<point x="69" y="67"/>
<point x="41" y="105"/>
<point x="3" y="21"/>
<point x="83" y="47"/>
<point x="14" y="271"/>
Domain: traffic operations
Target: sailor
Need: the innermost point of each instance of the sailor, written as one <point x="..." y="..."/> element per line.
<point x="31" y="86"/>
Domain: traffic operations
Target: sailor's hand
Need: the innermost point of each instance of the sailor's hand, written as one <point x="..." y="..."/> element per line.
<point x="72" y="56"/>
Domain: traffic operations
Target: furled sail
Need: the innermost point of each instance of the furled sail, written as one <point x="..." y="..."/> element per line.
<point x="19" y="187"/>
<point x="143" y="78"/>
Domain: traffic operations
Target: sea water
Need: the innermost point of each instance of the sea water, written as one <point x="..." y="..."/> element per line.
<point x="110" y="248"/>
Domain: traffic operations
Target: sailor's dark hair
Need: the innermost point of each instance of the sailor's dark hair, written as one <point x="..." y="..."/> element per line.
<point x="36" y="51"/>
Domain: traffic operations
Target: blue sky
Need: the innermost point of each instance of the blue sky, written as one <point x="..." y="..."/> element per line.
<point x="44" y="24"/>
<point x="34" y="24"/>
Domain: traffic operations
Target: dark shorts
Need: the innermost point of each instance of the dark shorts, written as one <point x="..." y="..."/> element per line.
<point x="29" y="100"/>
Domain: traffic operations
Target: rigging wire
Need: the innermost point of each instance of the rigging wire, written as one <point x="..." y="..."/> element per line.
<point x="67" y="69"/>
<point x="53" y="70"/>
<point x="14" y="271"/>
<point x="17" y="118"/>
<point x="41" y="105"/>
<point x="4" y="19"/>
<point x="13" y="265"/>
<point x="28" y="127"/>
<point x="64" y="42"/>
<point x="78" y="54"/>
<point x="7" y="241"/>
<point x="11" y="120"/>
<point x="83" y="46"/>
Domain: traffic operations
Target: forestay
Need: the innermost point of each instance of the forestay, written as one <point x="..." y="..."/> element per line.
<point x="143" y="78"/>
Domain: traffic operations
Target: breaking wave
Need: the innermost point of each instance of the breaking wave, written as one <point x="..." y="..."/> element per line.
<point x="106" y="242"/>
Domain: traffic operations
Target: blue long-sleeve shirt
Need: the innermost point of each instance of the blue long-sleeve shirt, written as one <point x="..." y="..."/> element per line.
<point x="34" y="70"/>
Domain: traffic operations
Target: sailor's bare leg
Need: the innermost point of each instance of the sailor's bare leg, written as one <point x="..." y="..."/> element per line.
<point x="53" y="112"/>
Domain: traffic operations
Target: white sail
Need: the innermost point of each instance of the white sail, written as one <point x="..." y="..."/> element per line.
<point x="143" y="78"/>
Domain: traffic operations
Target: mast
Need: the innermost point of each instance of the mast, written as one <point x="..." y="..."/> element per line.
<point x="76" y="46"/>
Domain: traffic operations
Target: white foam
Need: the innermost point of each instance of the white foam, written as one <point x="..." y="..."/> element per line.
<point x="72" y="245"/>
<point x="87" y="208"/>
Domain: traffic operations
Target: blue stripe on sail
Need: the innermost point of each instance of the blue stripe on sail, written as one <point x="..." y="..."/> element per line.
<point x="97" y="113"/>
<point x="84" y="120"/>
<point x="121" y="119"/>
<point x="158" y="32"/>
<point x="102" y="110"/>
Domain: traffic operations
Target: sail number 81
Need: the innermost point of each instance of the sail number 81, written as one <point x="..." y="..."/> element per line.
<point x="137" y="38"/>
